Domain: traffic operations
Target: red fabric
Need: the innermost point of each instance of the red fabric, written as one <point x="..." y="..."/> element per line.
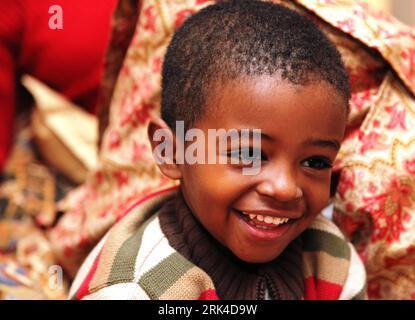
<point x="209" y="294"/>
<point x="317" y="289"/>
<point x="69" y="60"/>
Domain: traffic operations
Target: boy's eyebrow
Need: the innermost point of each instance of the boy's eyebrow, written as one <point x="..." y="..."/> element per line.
<point x="263" y="135"/>
<point x="333" y="144"/>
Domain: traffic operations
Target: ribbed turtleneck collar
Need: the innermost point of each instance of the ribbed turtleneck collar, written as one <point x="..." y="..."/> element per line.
<point x="233" y="278"/>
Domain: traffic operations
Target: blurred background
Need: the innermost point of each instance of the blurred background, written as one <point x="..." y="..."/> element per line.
<point x="404" y="10"/>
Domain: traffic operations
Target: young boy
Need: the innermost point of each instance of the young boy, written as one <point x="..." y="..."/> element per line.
<point x="223" y="233"/>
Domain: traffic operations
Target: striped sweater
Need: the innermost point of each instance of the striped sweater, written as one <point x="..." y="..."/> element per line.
<point x="136" y="260"/>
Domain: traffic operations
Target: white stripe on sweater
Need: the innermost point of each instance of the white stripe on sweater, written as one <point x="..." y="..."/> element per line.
<point x="154" y="248"/>
<point x="356" y="277"/>
<point x="119" y="291"/>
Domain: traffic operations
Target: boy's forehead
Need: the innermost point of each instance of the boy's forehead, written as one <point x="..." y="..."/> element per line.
<point x="275" y="105"/>
<point x="250" y="92"/>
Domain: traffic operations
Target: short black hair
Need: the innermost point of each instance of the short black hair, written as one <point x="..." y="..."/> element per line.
<point x="243" y="38"/>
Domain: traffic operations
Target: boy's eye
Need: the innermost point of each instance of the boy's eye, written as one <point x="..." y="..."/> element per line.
<point x="247" y="154"/>
<point x="318" y="163"/>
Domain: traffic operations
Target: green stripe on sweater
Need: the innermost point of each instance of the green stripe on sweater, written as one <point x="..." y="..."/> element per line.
<point x="319" y="240"/>
<point x="124" y="263"/>
<point x="162" y="276"/>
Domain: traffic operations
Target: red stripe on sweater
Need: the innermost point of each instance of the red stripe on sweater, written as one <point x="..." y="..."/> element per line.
<point x="317" y="289"/>
<point x="84" y="287"/>
<point x="145" y="198"/>
<point x="209" y="294"/>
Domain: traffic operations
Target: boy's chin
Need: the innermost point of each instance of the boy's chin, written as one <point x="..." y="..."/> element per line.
<point x="257" y="257"/>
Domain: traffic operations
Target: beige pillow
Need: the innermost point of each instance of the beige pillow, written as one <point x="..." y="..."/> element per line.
<point x="65" y="134"/>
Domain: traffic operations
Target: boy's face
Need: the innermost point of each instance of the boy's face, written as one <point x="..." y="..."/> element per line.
<point x="301" y="128"/>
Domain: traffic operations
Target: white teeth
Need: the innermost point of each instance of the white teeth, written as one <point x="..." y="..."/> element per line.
<point x="278" y="221"/>
<point x="268" y="219"/>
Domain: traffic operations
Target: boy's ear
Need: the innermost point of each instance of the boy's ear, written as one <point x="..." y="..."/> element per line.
<point x="163" y="145"/>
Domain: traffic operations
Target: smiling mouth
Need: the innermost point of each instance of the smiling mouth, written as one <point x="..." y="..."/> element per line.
<point x="263" y="221"/>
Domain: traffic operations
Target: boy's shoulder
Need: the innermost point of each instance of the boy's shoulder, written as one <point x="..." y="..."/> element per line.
<point x="332" y="266"/>
<point x="135" y="261"/>
<point x="323" y="235"/>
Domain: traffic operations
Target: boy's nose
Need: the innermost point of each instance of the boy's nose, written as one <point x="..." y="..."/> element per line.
<point x="280" y="185"/>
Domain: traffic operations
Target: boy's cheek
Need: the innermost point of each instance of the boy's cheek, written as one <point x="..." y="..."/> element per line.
<point x="318" y="200"/>
<point x="212" y="176"/>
